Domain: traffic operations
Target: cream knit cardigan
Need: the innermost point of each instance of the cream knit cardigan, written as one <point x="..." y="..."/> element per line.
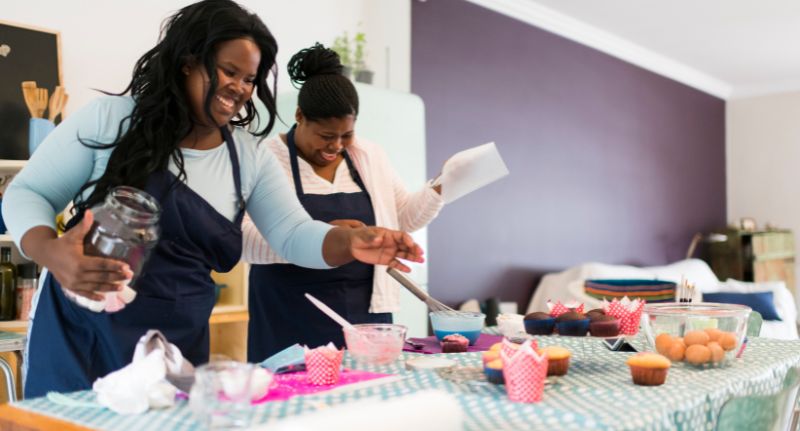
<point x="394" y="206"/>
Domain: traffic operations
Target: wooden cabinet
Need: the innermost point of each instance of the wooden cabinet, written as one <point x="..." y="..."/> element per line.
<point x="230" y="316"/>
<point x="755" y="256"/>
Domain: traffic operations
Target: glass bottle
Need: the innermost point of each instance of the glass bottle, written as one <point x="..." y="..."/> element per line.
<point x="8" y="280"/>
<point x="125" y="228"/>
<point x="26" y="287"/>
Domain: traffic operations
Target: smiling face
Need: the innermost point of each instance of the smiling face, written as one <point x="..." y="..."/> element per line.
<point x="237" y="63"/>
<point x="321" y="142"/>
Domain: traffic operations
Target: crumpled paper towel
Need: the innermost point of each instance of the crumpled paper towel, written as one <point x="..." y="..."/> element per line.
<point x="150" y="380"/>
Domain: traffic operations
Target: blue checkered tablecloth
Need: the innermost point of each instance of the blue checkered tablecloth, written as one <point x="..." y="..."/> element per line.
<point x="597" y="393"/>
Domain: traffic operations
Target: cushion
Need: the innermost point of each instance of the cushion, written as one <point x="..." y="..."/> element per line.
<point x="763" y="302"/>
<point x="649" y="290"/>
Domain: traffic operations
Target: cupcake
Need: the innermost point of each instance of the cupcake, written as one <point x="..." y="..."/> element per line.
<point x="648" y="369"/>
<point x="454" y="343"/>
<point x="557" y="360"/>
<point x="494" y="372"/>
<point x="539" y="323"/>
<point x="604" y="326"/>
<point x="489" y="356"/>
<point x="592" y="314"/>
<point x="572" y="323"/>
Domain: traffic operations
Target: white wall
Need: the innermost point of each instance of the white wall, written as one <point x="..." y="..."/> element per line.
<point x="101" y="40"/>
<point x="763" y="160"/>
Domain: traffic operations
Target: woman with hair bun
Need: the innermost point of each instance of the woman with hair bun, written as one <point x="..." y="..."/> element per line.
<point x="339" y="179"/>
<point x="178" y="132"/>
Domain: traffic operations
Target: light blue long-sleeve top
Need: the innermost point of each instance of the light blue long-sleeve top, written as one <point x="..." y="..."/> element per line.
<point x="62" y="164"/>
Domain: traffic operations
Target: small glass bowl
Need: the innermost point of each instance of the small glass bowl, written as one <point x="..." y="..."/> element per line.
<point x="703" y="324"/>
<point x="375" y="343"/>
<point x="468" y="324"/>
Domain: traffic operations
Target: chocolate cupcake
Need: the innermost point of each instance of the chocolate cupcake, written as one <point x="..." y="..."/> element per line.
<point x="572" y="324"/>
<point x="592" y="314"/>
<point x="604" y="326"/>
<point x="539" y="323"/>
<point x="455" y="343"/>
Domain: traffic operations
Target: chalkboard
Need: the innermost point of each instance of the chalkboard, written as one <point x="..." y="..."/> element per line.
<point x="26" y="54"/>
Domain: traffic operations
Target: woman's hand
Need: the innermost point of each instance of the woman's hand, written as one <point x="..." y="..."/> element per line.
<point x="64" y="258"/>
<point x="382" y="246"/>
<point x="347" y="222"/>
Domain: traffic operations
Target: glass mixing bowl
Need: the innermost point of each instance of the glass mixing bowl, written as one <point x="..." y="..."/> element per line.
<point x="702" y="334"/>
<point x="375" y="343"/>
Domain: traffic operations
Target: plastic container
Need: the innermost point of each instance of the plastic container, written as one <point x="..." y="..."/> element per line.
<point x="375" y="343"/>
<point x="465" y="323"/>
<point x="701" y="334"/>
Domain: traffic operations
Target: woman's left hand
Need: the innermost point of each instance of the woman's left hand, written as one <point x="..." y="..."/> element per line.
<point x="381" y="246"/>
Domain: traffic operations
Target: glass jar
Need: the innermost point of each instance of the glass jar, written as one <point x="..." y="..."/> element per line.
<point x="8" y="281"/>
<point x="221" y="394"/>
<point x="125" y="228"/>
<point x="26" y="287"/>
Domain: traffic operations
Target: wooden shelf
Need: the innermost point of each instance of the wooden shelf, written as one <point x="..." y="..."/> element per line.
<point x="12" y="165"/>
<point x="14" y="326"/>
<point x="229" y="314"/>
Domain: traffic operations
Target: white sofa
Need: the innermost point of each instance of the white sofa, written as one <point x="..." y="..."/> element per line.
<point x="568" y="286"/>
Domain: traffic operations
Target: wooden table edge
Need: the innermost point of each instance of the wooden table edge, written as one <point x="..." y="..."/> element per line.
<point x="17" y="419"/>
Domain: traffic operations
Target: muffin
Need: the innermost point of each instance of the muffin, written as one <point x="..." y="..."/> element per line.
<point x="592" y="314"/>
<point x="648" y="369"/>
<point x="494" y="372"/>
<point x="604" y="326"/>
<point x="454" y="343"/>
<point x="489" y="356"/>
<point x="557" y="360"/>
<point x="573" y="324"/>
<point x="539" y="323"/>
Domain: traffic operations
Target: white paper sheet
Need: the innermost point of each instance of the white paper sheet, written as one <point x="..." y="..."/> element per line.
<point x="469" y="170"/>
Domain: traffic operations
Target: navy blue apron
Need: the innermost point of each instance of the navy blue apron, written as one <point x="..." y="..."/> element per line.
<point x="70" y="346"/>
<point x="280" y="315"/>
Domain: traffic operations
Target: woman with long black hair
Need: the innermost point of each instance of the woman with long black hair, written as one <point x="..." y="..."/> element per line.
<point x="180" y="136"/>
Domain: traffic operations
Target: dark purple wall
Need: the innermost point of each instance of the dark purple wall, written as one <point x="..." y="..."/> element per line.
<point x="609" y="162"/>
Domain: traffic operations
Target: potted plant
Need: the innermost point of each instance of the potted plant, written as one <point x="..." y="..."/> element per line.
<point x="362" y="74"/>
<point x="341" y="45"/>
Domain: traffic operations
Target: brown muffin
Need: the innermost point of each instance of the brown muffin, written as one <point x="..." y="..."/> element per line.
<point x="537" y="315"/>
<point x="649" y="369"/>
<point x="557" y="360"/>
<point x="539" y="323"/>
<point x="604" y="326"/>
<point x="570" y="316"/>
<point x="593" y="314"/>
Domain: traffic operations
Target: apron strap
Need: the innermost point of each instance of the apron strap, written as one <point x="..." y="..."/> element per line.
<point x="298" y="184"/>
<point x="237" y="178"/>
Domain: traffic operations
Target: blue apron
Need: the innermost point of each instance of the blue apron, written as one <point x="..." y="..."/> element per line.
<point x="70" y="346"/>
<point x="280" y="315"/>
